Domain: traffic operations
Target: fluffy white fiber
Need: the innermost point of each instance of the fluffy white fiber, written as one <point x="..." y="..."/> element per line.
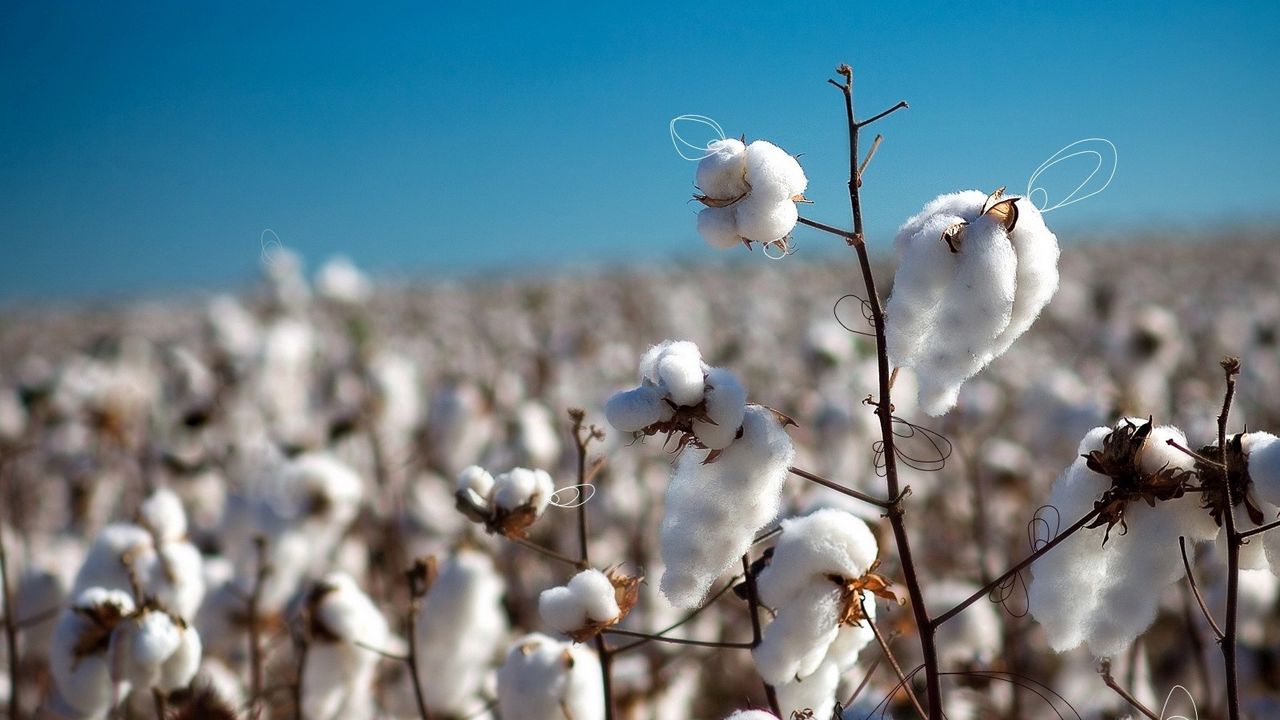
<point x="752" y="715"/>
<point x="636" y="409"/>
<point x="726" y="404"/>
<point x="1104" y="596"/>
<point x="1263" y="452"/>
<point x="339" y="673"/>
<point x="950" y="314"/>
<point x="714" y="510"/>
<point x="83" y="685"/>
<point x="545" y="679"/>
<point x="521" y="486"/>
<point x="460" y="625"/>
<point x="761" y="180"/>
<point x="588" y="598"/>
<point x="152" y="650"/>
<point x="825" y="542"/>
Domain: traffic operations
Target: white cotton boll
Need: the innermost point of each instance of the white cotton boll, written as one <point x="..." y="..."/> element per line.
<point x="162" y="513"/>
<point x="176" y="672"/>
<point x="102" y="566"/>
<point x="544" y="679"/>
<point x="319" y="474"/>
<point x="338" y="676"/>
<point x="719" y="227"/>
<point x="561" y="610"/>
<point x="234" y="330"/>
<point x="460" y="624"/>
<point x="537" y="433"/>
<point x="595" y="594"/>
<point x="346" y="612"/>
<point x="773" y="174"/>
<point x="752" y="715"/>
<point x="649" y="362"/>
<point x="175" y="576"/>
<point x="1263" y="451"/>
<point x="84" y="683"/>
<point x="722" y="172"/>
<point x="521" y="486"/>
<point x="825" y="542"/>
<point x="13" y="416"/>
<point x="140" y="645"/>
<point x="726" y="404"/>
<point x="796" y="642"/>
<point x="477" y="480"/>
<point x="764" y="219"/>
<point x="817" y="692"/>
<point x="636" y="409"/>
<point x="1037" y="279"/>
<point x="714" y="510"/>
<point x="340" y="281"/>
<point x="681" y="376"/>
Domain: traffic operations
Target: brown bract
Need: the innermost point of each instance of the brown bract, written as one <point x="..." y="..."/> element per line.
<point x="509" y="523"/>
<point x="1215" y="482"/>
<point x="1004" y="210"/>
<point x="626" y="592"/>
<point x="851" y="612"/>
<point x="97" y="637"/>
<point x="1120" y="459"/>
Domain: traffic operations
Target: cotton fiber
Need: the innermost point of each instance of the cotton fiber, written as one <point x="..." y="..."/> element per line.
<point x="588" y="598"/>
<point x="545" y="679"/>
<point x="750" y="193"/>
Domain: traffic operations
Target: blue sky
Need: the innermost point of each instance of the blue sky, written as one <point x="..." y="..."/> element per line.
<point x="145" y="147"/>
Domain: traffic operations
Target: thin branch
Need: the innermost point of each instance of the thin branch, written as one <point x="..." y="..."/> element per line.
<point x="1105" y="671"/>
<point x="818" y="479"/>
<point x="582" y="437"/>
<point x="687" y="618"/>
<point x="420" y="578"/>
<point x="893" y="661"/>
<point x="380" y="651"/>
<point x="161" y="703"/>
<point x="848" y="236"/>
<point x="1245" y="534"/>
<point x="901" y="105"/>
<point x="548" y="552"/>
<point x="678" y="641"/>
<point x="1195" y="590"/>
<point x="1174" y="443"/>
<point x="10" y="630"/>
<point x="1230" y="367"/>
<point x="939" y="620"/>
<point x="875" y="145"/>
<point x="1197" y="644"/>
<point x="753" y="607"/>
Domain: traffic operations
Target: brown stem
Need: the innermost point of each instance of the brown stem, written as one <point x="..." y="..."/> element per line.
<point x="1245" y="534"/>
<point x="928" y="649"/>
<point x="939" y="620"/>
<point x="901" y="105"/>
<point x="893" y="661"/>
<point x="678" y="641"/>
<point x="411" y="627"/>
<point x="161" y="703"/>
<point x="1129" y="698"/>
<point x="1195" y="589"/>
<point x="255" y="642"/>
<point x="1197" y="644"/>
<point x="848" y="236"/>
<point x="548" y="552"/>
<point x="719" y="594"/>
<point x="818" y="479"/>
<point x="753" y="607"/>
<point x="582" y="437"/>
<point x="1188" y="451"/>
<point x="875" y="145"/>
<point x="1230" y="367"/>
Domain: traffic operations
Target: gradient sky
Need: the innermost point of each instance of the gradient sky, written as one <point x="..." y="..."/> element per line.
<point x="145" y="147"/>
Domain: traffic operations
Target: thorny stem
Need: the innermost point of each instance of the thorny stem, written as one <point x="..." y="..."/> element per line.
<point x="1105" y="671"/>
<point x="811" y="477"/>
<point x="928" y="649"/>
<point x="1230" y="367"/>
<point x="753" y="607"/>
<point x="893" y="661"/>
<point x="939" y="620"/>
<point x="255" y="642"/>
<point x="1195" y="590"/>
<point x="582" y="437"/>
<point x="677" y="641"/>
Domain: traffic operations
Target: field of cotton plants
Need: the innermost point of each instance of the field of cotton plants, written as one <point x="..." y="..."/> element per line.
<point x="997" y="475"/>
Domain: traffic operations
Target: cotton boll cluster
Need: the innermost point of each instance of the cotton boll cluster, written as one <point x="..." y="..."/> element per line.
<point x="750" y="192"/>
<point x="545" y="679"/>
<point x="338" y="675"/>
<point x="820" y="626"/>
<point x="507" y="504"/>
<point x="460" y="624"/>
<point x="713" y="510"/>
<point x="153" y="650"/>
<point x="1101" y="587"/>
<point x="592" y="600"/>
<point x="974" y="272"/>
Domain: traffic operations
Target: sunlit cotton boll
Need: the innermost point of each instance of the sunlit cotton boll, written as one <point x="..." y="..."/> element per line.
<point x="772" y="173"/>
<point x="951" y="313"/>
<point x="339" y="672"/>
<point x="588" y="598"/>
<point x="520" y="487"/>
<point x="636" y="409"/>
<point x="460" y="625"/>
<point x="545" y="679"/>
<point x="713" y="510"/>
<point x="1263" y="453"/>
<point x="153" y="650"/>
<point x="719" y="227"/>
<point x="825" y="542"/>
<point x="78" y="657"/>
<point x="340" y="281"/>
<point x="726" y="400"/>
<point x="722" y="172"/>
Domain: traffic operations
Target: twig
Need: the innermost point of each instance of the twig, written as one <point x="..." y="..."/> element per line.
<point x="548" y="552"/>
<point x="1174" y="443"/>
<point x="875" y="145"/>
<point x="1230" y="367"/>
<point x="928" y="649"/>
<point x="380" y="651"/>
<point x="848" y="236"/>
<point x="939" y="620"/>
<point x="1246" y="534"/>
<point x="1105" y="671"/>
<point x="818" y="479"/>
<point x="420" y="579"/>
<point x="893" y="661"/>
<point x="1197" y="644"/>
<point x="719" y="594"/>
<point x="582" y="437"/>
<point x="678" y="641"/>
<point x="1195" y="590"/>
<point x="753" y="607"/>
<point x="901" y="105"/>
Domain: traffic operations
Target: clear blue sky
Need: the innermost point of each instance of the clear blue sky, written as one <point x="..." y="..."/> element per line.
<point x="144" y="147"/>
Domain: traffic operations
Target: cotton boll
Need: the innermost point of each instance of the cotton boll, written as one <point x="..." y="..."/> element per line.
<point x="543" y="679"/>
<point x="595" y="593"/>
<point x="796" y="642"/>
<point x="140" y="645"/>
<point x="520" y="486"/>
<point x="537" y="434"/>
<point x="340" y="281"/>
<point x="719" y="227"/>
<point x="816" y="692"/>
<point x="773" y="174"/>
<point x="713" y="510"/>
<point x="162" y="513"/>
<point x="722" y="172"/>
<point x="682" y="376"/>
<point x="825" y="542"/>
<point x="764" y="219"/>
<point x="476" y="480"/>
<point x="102" y="566"/>
<point x="339" y="673"/>
<point x="1263" y="451"/>
<point x="460" y="624"/>
<point x="636" y="409"/>
<point x="1037" y="278"/>
<point x="83" y="681"/>
<point x="561" y="610"/>
<point x="726" y="404"/>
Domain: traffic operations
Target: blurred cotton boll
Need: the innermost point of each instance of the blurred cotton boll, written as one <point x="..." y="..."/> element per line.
<point x="340" y="281"/>
<point x="544" y="679"/>
<point x="338" y="677"/>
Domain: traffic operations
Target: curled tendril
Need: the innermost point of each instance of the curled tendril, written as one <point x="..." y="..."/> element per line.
<point x="1041" y="530"/>
<point x="928" y="451"/>
<point x="1052" y="698"/>
<point x="1014" y="587"/>
<point x="866" y="314"/>
<point x="782" y="248"/>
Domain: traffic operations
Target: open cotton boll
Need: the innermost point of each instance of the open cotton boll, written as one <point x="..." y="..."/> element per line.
<point x="519" y="487"/>
<point x="817" y="692"/>
<point x="477" y="480"/>
<point x="681" y="375"/>
<point x="340" y="281"/>
<point x="714" y="510"/>
<point x="339" y="672"/>
<point x="824" y="542"/>
<point x="763" y="218"/>
<point x="561" y="609"/>
<point x="1263" y="453"/>
<point x="722" y="171"/>
<point x="140" y="646"/>
<point x="544" y="679"/>
<point x="1037" y="278"/>
<point x="162" y="513"/>
<point x="82" y="680"/>
<point x="796" y="642"/>
<point x="460" y="623"/>
<point x="719" y="227"/>
<point x="174" y="575"/>
<point x="321" y="475"/>
<point x="773" y="174"/>
<point x="595" y="593"/>
<point x="726" y="399"/>
<point x="636" y="409"/>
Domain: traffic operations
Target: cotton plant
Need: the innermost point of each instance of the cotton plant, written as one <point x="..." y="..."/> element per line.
<point x="821" y="584"/>
<point x="507" y="504"/>
<point x="974" y="272"/>
<point x="545" y="679"/>
<point x="750" y="192"/>
<point x="590" y="602"/>
<point x="345" y="632"/>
